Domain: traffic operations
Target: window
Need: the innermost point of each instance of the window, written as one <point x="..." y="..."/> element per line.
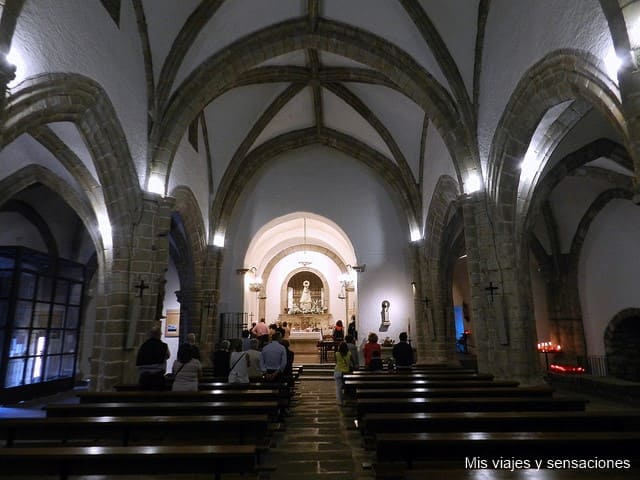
<point x="40" y="305"/>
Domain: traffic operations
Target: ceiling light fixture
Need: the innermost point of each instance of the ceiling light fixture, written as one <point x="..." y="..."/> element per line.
<point x="304" y="262"/>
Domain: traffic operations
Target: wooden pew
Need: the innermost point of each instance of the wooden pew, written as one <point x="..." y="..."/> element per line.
<point x="419" y="369"/>
<point x="377" y="423"/>
<point x="365" y="406"/>
<point x="109" y="430"/>
<point x="281" y="386"/>
<point x="116" y="409"/>
<point x="169" y="396"/>
<point x="351" y="385"/>
<point x="455" y="447"/>
<point x="130" y="460"/>
<point x="542" y="391"/>
<point x="393" y="376"/>
<point x="528" y="474"/>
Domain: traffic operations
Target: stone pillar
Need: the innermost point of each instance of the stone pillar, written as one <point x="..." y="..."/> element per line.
<point x="500" y="296"/>
<point x="434" y="341"/>
<point x="126" y="308"/>
<point x="196" y="307"/>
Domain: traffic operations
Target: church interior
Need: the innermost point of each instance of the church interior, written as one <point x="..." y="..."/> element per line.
<point x="466" y="172"/>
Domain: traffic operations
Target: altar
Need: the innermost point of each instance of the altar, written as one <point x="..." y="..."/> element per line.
<point x="311" y="322"/>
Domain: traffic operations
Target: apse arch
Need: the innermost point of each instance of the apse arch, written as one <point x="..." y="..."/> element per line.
<point x="277" y="251"/>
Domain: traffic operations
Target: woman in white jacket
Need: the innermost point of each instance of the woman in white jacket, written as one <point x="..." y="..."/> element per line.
<point x="186" y="371"/>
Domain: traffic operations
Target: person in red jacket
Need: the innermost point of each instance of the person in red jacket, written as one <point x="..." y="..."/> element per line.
<point x="371" y="346"/>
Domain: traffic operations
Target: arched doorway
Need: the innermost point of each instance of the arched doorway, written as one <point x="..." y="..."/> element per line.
<point x="622" y="345"/>
<point x="299" y="271"/>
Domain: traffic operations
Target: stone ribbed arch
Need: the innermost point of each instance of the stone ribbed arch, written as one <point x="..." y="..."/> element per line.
<point x="59" y="97"/>
<point x="359" y="106"/>
<point x="239" y="172"/>
<point x="617" y="26"/>
<point x="600" y="202"/>
<point x="300" y="248"/>
<point x="561" y="76"/>
<point x="602" y="147"/>
<point x="186" y="206"/>
<point x="33" y="174"/>
<point x="32" y="216"/>
<point x="214" y="75"/>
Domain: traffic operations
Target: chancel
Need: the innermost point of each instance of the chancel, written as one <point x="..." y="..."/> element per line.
<point x="254" y="173"/>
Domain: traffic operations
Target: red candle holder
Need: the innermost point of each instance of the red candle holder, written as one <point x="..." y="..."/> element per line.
<point x="546" y="348"/>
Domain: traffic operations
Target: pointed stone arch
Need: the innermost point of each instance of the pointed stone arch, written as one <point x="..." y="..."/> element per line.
<point x="77" y="99"/>
<point x="562" y="75"/>
<point x="224" y="68"/>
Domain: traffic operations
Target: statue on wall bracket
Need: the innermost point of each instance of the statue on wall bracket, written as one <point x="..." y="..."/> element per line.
<point x="384" y="316"/>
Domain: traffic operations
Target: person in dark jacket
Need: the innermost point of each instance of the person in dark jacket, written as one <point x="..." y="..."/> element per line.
<point x="402" y="353"/>
<point x="151" y="361"/>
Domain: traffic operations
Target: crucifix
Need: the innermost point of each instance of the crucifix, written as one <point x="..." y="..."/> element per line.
<point x="491" y="289"/>
<point x="142" y="287"/>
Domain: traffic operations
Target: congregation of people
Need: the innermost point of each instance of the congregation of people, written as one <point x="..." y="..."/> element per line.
<point x="262" y="353"/>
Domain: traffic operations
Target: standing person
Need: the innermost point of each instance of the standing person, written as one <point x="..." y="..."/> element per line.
<point x="186" y="370"/>
<point x="402" y="353"/>
<point x="221" y="360"/>
<point x="343" y="361"/>
<point x="287" y="330"/>
<point x="273" y="359"/>
<point x="371" y="346"/>
<point x="195" y="351"/>
<point x="239" y="369"/>
<point x="254" y="370"/>
<point x="351" y="329"/>
<point x="288" y="371"/>
<point x="261" y="331"/>
<point x="151" y="361"/>
<point x="246" y="340"/>
<point x="338" y="332"/>
<point x="353" y="349"/>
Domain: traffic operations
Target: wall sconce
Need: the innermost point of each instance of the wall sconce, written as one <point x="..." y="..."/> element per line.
<point x="357" y="268"/>
<point x="255" y="284"/>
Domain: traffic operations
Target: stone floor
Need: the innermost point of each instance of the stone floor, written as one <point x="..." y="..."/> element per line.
<point x="320" y="440"/>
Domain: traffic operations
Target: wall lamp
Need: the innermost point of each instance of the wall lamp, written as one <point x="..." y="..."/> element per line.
<point x="358" y="268"/>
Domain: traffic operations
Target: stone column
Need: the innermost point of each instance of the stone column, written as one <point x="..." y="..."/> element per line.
<point x="433" y="343"/>
<point x="500" y="296"/>
<point x="196" y="307"/>
<point x="126" y="308"/>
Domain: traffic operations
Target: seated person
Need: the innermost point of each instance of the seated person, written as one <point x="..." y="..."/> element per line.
<point x="376" y="361"/>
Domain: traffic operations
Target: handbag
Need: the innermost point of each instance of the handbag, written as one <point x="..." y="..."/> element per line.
<point x="235" y="363"/>
<point x="170" y="377"/>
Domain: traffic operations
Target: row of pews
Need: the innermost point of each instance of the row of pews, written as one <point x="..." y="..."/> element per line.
<point x="446" y="422"/>
<point x="222" y="428"/>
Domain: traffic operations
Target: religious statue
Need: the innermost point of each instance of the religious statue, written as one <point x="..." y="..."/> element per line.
<point x="305" y="296"/>
<point x="385" y="312"/>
